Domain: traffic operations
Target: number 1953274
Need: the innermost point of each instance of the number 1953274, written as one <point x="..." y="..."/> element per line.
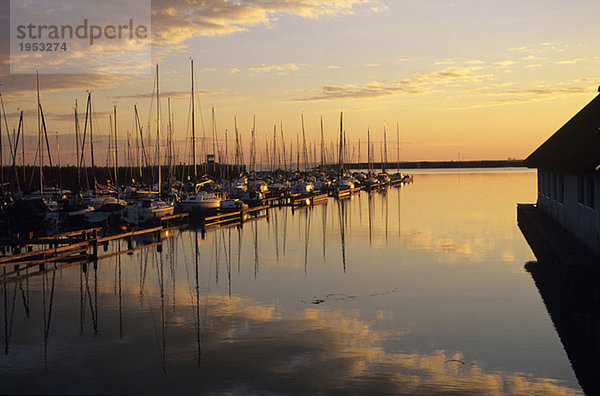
<point x="39" y="47"/>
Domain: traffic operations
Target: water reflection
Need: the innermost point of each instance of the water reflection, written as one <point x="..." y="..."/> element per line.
<point x="247" y="346"/>
<point x="571" y="297"/>
<point x="321" y="299"/>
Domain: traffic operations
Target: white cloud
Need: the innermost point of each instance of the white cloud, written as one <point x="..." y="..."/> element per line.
<point x="176" y="21"/>
<point x="279" y="68"/>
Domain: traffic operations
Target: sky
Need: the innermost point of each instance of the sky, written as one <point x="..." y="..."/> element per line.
<point x="465" y="79"/>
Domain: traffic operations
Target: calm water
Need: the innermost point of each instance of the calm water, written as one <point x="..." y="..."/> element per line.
<point x="420" y="289"/>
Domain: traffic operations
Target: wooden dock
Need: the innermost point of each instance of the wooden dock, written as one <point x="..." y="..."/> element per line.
<point x="24" y="258"/>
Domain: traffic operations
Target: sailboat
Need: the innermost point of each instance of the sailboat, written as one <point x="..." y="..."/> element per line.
<point x="149" y="208"/>
<point x="200" y="200"/>
<point x="383" y="176"/>
<point x="344" y="184"/>
<point x="397" y="177"/>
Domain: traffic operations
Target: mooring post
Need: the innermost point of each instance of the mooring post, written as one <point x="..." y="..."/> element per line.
<point x="159" y="240"/>
<point x="94" y="248"/>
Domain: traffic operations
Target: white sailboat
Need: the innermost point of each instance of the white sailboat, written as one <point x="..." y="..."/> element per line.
<point x="151" y="208"/>
<point x="146" y="210"/>
<point x="201" y="200"/>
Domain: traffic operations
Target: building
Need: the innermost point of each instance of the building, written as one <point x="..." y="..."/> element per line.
<point x="568" y="165"/>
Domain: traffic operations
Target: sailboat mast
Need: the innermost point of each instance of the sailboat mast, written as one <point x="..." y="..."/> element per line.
<point x="158" y="132"/>
<point x="138" y="154"/>
<point x="214" y="142"/>
<point x="398" y="145"/>
<point x="254" y="147"/>
<point x="89" y="109"/>
<point x="226" y="155"/>
<point x="194" y="128"/>
<point x="40" y="146"/>
<point x="304" y="154"/>
<point x="58" y="160"/>
<point x="369" y="151"/>
<point x="297" y="152"/>
<point x="169" y="141"/>
<point x="341" y="148"/>
<point x="77" y="146"/>
<point x="274" y="145"/>
<point x="384" y="163"/>
<point x="322" y="147"/>
<point x="116" y="152"/>
<point x="14" y="156"/>
<point x="283" y="145"/>
<point x="2" y="154"/>
<point x="22" y="130"/>
<point x="237" y="145"/>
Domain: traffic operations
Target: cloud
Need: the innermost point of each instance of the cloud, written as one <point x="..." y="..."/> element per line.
<point x="176" y="21"/>
<point x="369" y="91"/>
<point x="269" y="68"/>
<point x="418" y="84"/>
<point x="531" y="95"/>
<point x="519" y="49"/>
<point x="372" y="65"/>
<point x="379" y="9"/>
<point x="550" y="91"/>
<point x="569" y="62"/>
<point x="505" y="63"/>
<point x="233" y="70"/>
<point x="20" y="85"/>
<point x="328" y="350"/>
<point x="334" y="67"/>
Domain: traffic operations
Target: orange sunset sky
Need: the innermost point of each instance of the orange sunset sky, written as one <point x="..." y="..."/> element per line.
<point x="466" y="79"/>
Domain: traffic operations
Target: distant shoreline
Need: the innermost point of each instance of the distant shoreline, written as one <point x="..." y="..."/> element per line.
<point x="441" y="164"/>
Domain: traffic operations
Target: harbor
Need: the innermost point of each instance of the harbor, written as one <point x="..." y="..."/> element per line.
<point x="385" y="284"/>
<point x="298" y="197"/>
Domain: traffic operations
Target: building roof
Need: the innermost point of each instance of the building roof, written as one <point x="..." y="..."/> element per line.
<point x="575" y="146"/>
